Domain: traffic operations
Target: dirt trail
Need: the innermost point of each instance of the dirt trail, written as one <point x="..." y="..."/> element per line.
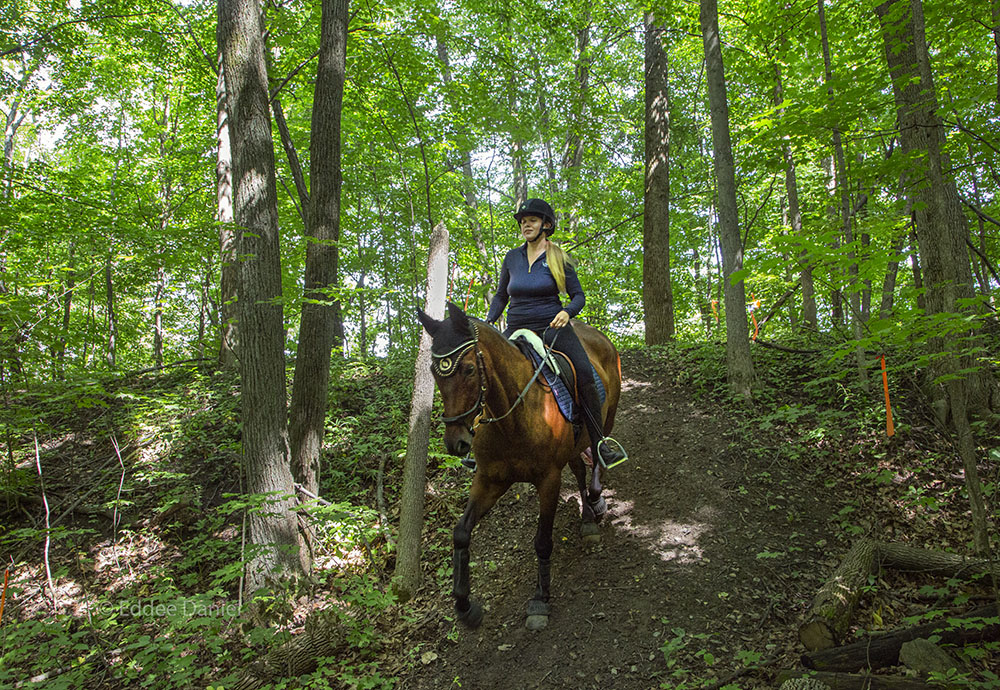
<point x="696" y="539"/>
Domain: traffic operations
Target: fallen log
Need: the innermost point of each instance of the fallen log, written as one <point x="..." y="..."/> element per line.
<point x="322" y="637"/>
<point x="916" y="560"/>
<point x="882" y="650"/>
<point x="830" y="614"/>
<point x="856" y="681"/>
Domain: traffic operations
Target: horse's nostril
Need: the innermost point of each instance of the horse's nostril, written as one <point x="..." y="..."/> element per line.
<point x="462" y="448"/>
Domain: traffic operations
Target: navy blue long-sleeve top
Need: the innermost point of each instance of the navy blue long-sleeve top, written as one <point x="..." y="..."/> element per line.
<point x="532" y="291"/>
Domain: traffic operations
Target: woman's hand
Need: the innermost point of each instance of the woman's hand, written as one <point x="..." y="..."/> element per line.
<point x="562" y="318"/>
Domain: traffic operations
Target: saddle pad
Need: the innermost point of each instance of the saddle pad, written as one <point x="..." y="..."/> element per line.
<point x="563" y="396"/>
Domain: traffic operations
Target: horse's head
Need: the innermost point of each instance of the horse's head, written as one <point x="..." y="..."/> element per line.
<point x="457" y="368"/>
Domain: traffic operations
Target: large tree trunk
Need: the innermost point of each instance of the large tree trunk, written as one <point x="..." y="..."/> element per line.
<point x="657" y="296"/>
<point x="739" y="365"/>
<point x="411" y="508"/>
<point x="321" y="327"/>
<point x="227" y="232"/>
<point x="273" y="531"/>
<point x="942" y="230"/>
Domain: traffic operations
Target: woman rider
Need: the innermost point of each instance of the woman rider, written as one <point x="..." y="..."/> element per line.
<point x="531" y="278"/>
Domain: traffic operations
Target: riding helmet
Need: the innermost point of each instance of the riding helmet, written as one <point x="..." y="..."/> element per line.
<point x="537" y="207"/>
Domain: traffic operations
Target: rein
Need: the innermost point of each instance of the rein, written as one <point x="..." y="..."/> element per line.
<point x="446" y="364"/>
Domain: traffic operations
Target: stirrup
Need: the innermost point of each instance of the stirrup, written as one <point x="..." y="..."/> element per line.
<point x="621" y="449"/>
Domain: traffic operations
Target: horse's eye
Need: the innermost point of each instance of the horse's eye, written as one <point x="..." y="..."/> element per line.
<point x="468" y="370"/>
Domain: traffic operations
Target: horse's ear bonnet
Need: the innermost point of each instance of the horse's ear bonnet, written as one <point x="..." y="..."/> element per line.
<point x="453" y="331"/>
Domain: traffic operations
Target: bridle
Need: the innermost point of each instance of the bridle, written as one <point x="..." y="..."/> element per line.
<point x="446" y="364"/>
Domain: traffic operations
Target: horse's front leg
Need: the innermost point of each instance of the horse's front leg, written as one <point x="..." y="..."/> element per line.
<point x="593" y="506"/>
<point x="548" y="499"/>
<point x="482" y="497"/>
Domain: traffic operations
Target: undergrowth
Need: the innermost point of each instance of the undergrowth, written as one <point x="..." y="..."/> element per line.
<point x="142" y="480"/>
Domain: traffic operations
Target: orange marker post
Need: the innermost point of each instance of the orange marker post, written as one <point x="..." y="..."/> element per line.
<point x="3" y="596"/>
<point x="890" y="430"/>
<point x="468" y="294"/>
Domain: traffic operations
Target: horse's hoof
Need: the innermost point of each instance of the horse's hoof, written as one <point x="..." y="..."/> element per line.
<point x="472" y="616"/>
<point x="590" y="533"/>
<point x="536" y="622"/>
<point x="538" y="615"/>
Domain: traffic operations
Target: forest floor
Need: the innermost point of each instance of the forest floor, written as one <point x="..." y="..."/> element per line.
<point x="720" y="529"/>
<point x="710" y="554"/>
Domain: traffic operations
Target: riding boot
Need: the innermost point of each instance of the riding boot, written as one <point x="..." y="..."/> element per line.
<point x="607" y="454"/>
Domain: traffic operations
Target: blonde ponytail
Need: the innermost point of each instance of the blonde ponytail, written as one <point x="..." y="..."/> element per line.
<point x="557" y="260"/>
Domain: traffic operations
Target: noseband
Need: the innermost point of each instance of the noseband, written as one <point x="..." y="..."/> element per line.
<point x="445" y="365"/>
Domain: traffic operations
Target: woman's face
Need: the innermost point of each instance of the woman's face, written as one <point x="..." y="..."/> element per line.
<point x="531" y="227"/>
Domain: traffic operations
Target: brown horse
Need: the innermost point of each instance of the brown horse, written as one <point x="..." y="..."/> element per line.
<point x="516" y="433"/>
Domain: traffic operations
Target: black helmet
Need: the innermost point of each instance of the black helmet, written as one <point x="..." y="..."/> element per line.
<point x="537" y="207"/>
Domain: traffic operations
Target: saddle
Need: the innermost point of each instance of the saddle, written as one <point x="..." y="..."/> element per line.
<point x="558" y="374"/>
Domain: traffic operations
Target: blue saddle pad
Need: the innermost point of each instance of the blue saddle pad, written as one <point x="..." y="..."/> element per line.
<point x="564" y="397"/>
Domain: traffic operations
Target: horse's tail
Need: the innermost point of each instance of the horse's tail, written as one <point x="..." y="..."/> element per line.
<point x="618" y="355"/>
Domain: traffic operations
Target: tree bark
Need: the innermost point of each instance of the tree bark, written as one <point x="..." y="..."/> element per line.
<point x="411" y="510"/>
<point x="830" y="614"/>
<point x="321" y="328"/>
<point x="273" y="532"/>
<point x="942" y="229"/>
<point x="657" y="296"/>
<point x="739" y="365"/>
<point x="933" y="562"/>
<point x="224" y="218"/>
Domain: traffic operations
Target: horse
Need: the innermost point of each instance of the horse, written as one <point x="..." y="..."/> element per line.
<point x="494" y="408"/>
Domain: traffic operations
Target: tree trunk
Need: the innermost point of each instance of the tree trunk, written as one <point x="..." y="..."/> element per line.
<point x="739" y="365"/>
<point x="889" y="284"/>
<point x="830" y="614"/>
<point x="411" y="509"/>
<point x="321" y="328"/>
<point x="67" y="308"/>
<point x="846" y="222"/>
<point x="657" y="297"/>
<point x="227" y="233"/>
<point x="111" y="351"/>
<point x="809" y="317"/>
<point x="272" y="531"/>
<point x="941" y="225"/>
